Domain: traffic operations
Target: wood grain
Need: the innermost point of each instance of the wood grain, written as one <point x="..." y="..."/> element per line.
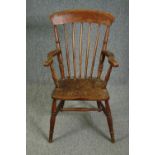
<point x="90" y="16"/>
<point x="81" y="89"/>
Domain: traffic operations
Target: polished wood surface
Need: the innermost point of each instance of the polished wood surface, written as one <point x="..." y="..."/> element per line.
<point x="83" y="85"/>
<point x="90" y="16"/>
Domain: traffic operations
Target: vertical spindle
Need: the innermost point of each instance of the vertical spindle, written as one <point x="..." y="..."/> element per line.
<point x="59" y="49"/>
<point x="87" y="50"/>
<point x="95" y="49"/>
<point x="80" y="55"/>
<point x="67" y="51"/>
<point x="73" y="49"/>
<point x="104" y="47"/>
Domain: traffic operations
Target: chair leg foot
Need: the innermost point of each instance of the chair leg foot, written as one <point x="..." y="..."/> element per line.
<point x="52" y="121"/>
<point x="113" y="140"/>
<point x="109" y="120"/>
<point x="50" y="138"/>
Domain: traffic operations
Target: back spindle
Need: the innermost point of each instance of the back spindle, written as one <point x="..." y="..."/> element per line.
<point x="104" y="47"/>
<point x="95" y="50"/>
<point x="87" y="50"/>
<point x="80" y="54"/>
<point x="59" y="49"/>
<point x="73" y="49"/>
<point x="67" y="51"/>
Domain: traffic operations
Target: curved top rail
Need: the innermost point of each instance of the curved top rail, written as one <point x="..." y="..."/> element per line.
<point x="90" y="16"/>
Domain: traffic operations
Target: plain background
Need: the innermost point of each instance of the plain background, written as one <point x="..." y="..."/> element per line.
<point x="75" y="133"/>
<point x="13" y="82"/>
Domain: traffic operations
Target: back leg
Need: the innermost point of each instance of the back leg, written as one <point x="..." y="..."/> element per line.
<point x="52" y="120"/>
<point x="109" y="120"/>
<point x="62" y="104"/>
<point x="99" y="106"/>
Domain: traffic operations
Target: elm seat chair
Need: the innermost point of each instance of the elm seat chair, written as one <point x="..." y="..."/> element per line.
<point x="81" y="86"/>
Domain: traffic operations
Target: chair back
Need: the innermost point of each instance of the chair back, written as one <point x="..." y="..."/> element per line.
<point x="71" y="29"/>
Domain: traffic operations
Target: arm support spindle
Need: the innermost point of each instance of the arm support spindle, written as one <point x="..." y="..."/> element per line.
<point x="112" y="63"/>
<point x="49" y="63"/>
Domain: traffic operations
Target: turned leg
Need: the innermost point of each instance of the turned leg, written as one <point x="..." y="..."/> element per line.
<point x="52" y="120"/>
<point x="109" y="120"/>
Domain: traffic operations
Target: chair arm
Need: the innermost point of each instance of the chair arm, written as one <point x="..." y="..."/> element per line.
<point x="50" y="56"/>
<point x="111" y="58"/>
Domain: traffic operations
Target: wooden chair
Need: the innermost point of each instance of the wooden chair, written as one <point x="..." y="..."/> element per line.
<point x="81" y="86"/>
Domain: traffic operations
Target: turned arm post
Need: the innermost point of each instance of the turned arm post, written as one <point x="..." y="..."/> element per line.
<point x="107" y="76"/>
<point x="112" y="63"/>
<point x="54" y="75"/>
<point x="49" y="63"/>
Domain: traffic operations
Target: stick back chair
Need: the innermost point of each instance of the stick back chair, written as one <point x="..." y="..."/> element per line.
<point x="82" y="86"/>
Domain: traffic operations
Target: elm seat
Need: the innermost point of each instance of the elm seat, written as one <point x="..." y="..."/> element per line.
<point x="81" y="89"/>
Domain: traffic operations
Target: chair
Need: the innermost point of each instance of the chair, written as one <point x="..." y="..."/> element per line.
<point x="83" y="85"/>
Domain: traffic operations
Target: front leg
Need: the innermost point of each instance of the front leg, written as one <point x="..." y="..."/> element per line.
<point x="109" y="120"/>
<point x="52" y="120"/>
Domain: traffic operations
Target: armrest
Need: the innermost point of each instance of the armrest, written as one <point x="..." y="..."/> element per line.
<point x="50" y="56"/>
<point x="111" y="58"/>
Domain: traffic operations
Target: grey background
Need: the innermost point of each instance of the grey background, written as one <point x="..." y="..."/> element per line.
<point x="75" y="133"/>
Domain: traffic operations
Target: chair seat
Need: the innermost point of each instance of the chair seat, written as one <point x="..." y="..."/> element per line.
<point x="81" y="89"/>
